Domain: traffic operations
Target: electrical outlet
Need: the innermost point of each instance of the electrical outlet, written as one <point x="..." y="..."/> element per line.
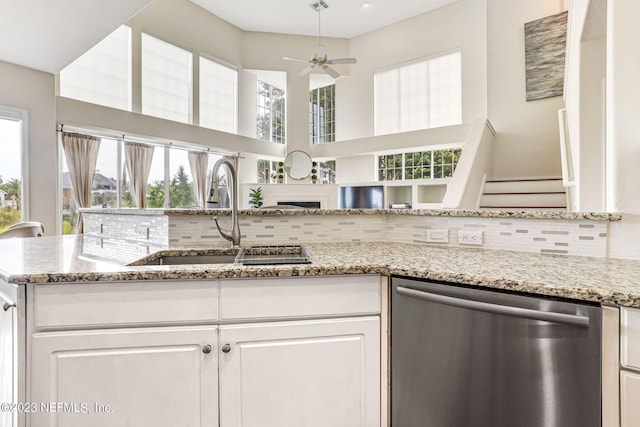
<point x="438" y="236"/>
<point x="469" y="237"/>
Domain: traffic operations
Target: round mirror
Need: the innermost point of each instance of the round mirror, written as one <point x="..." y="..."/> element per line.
<point x="297" y="165"/>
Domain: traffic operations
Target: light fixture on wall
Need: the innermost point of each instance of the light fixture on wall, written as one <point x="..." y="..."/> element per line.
<point x="320" y="59"/>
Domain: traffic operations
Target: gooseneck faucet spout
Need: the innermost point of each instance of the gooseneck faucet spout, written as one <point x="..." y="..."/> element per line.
<point x="232" y="235"/>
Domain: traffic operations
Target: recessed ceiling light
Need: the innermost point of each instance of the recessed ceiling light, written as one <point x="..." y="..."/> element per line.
<point x="366" y="4"/>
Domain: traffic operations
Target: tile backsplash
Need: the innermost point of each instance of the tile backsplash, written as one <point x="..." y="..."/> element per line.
<point x="566" y="237"/>
<point x="551" y="236"/>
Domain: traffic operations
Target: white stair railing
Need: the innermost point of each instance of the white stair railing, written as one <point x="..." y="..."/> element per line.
<point x="568" y="178"/>
<point x="566" y="157"/>
<point x="474" y="164"/>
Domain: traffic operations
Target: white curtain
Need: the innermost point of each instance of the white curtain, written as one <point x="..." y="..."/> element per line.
<point x="138" y="159"/>
<point x="81" y="153"/>
<point x="199" y="162"/>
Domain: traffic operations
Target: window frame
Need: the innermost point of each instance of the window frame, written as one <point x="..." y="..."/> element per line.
<point x="21" y="115"/>
<point x="403" y="167"/>
<point x="318" y="124"/>
<point x="399" y="66"/>
<point x="236" y="107"/>
<point x="190" y="50"/>
<point x="130" y="78"/>
<point x="259" y="107"/>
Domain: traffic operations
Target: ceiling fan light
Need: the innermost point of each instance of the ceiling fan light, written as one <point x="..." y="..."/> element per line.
<point x="318" y="5"/>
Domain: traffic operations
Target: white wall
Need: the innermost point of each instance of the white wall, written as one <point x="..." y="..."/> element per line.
<point x="33" y="91"/>
<point x="623" y="126"/>
<point x="460" y="25"/>
<point x="356" y="169"/>
<point x="584" y="95"/>
<point x="527" y="140"/>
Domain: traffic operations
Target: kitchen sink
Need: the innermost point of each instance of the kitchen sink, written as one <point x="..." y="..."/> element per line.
<point x="190" y="257"/>
<point x="273" y="255"/>
<point x="251" y="255"/>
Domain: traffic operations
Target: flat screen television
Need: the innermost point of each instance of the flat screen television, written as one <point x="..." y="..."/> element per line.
<point x="361" y="197"/>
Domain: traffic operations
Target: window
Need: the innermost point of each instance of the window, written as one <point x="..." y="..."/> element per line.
<point x="322" y="120"/>
<point x="12" y="194"/>
<point x="104" y="192"/>
<point x="155" y="183"/>
<point x="181" y="194"/>
<point x="177" y="175"/>
<point x="418" y="165"/>
<point x="420" y="95"/>
<point x="103" y="74"/>
<point x="166" y="80"/>
<point x="218" y="96"/>
<point x="271" y="113"/>
<point x="266" y="171"/>
<point x="327" y="172"/>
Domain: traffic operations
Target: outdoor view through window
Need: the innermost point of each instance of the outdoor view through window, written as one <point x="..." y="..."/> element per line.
<point x="10" y="173"/>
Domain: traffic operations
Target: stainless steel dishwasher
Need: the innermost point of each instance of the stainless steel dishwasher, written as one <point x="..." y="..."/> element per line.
<point x="464" y="357"/>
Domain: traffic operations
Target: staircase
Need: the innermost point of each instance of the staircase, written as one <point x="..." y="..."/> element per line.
<point x="524" y="194"/>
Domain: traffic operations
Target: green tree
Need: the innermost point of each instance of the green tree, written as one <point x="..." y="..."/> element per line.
<point x="13" y="187"/>
<point x="155" y="194"/>
<point x="181" y="191"/>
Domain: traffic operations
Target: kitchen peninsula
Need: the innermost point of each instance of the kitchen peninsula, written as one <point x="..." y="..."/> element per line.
<point x="82" y="306"/>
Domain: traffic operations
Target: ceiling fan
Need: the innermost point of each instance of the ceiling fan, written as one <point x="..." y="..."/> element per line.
<point x="320" y="59"/>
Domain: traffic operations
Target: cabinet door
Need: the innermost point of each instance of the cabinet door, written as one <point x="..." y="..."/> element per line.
<point x="8" y="361"/>
<point x="629" y="398"/>
<point x="301" y="374"/>
<point x="147" y="377"/>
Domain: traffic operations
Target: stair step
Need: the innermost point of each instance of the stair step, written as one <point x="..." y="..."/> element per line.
<point x="529" y="200"/>
<point x="524" y="186"/>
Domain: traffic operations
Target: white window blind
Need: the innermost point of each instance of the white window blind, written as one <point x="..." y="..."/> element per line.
<point x="166" y="80"/>
<point x="103" y="74"/>
<point x="420" y="95"/>
<point x="218" y="96"/>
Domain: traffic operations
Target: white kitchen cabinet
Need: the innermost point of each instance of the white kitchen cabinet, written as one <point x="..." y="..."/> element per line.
<point x="314" y="373"/>
<point x="147" y="377"/>
<point x="629" y="398"/>
<point x="8" y="358"/>
<point x="630" y="364"/>
<point x="310" y="356"/>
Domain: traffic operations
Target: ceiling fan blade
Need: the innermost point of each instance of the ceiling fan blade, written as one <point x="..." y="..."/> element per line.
<point x="342" y="61"/>
<point x="306" y="70"/>
<point x="330" y="71"/>
<point x="288" y="58"/>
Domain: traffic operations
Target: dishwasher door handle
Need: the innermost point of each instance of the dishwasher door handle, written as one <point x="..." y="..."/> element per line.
<point x="526" y="313"/>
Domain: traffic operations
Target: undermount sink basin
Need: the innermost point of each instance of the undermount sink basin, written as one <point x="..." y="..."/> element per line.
<point x="252" y="255"/>
<point x="192" y="259"/>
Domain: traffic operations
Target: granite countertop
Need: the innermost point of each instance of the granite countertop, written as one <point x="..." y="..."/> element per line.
<point x="64" y="259"/>
<point x="548" y="215"/>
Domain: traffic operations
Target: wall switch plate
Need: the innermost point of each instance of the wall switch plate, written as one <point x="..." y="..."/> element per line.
<point x="438" y="236"/>
<point x="468" y="237"/>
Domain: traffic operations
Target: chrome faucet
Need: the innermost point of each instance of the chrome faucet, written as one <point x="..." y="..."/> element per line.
<point x="232" y="235"/>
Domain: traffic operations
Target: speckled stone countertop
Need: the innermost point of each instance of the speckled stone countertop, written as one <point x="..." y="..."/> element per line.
<point x="64" y="259"/>
<point x="549" y="215"/>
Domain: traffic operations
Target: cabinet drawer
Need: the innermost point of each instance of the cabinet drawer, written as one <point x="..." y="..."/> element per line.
<point x="285" y="297"/>
<point x="630" y="338"/>
<point x="122" y="303"/>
